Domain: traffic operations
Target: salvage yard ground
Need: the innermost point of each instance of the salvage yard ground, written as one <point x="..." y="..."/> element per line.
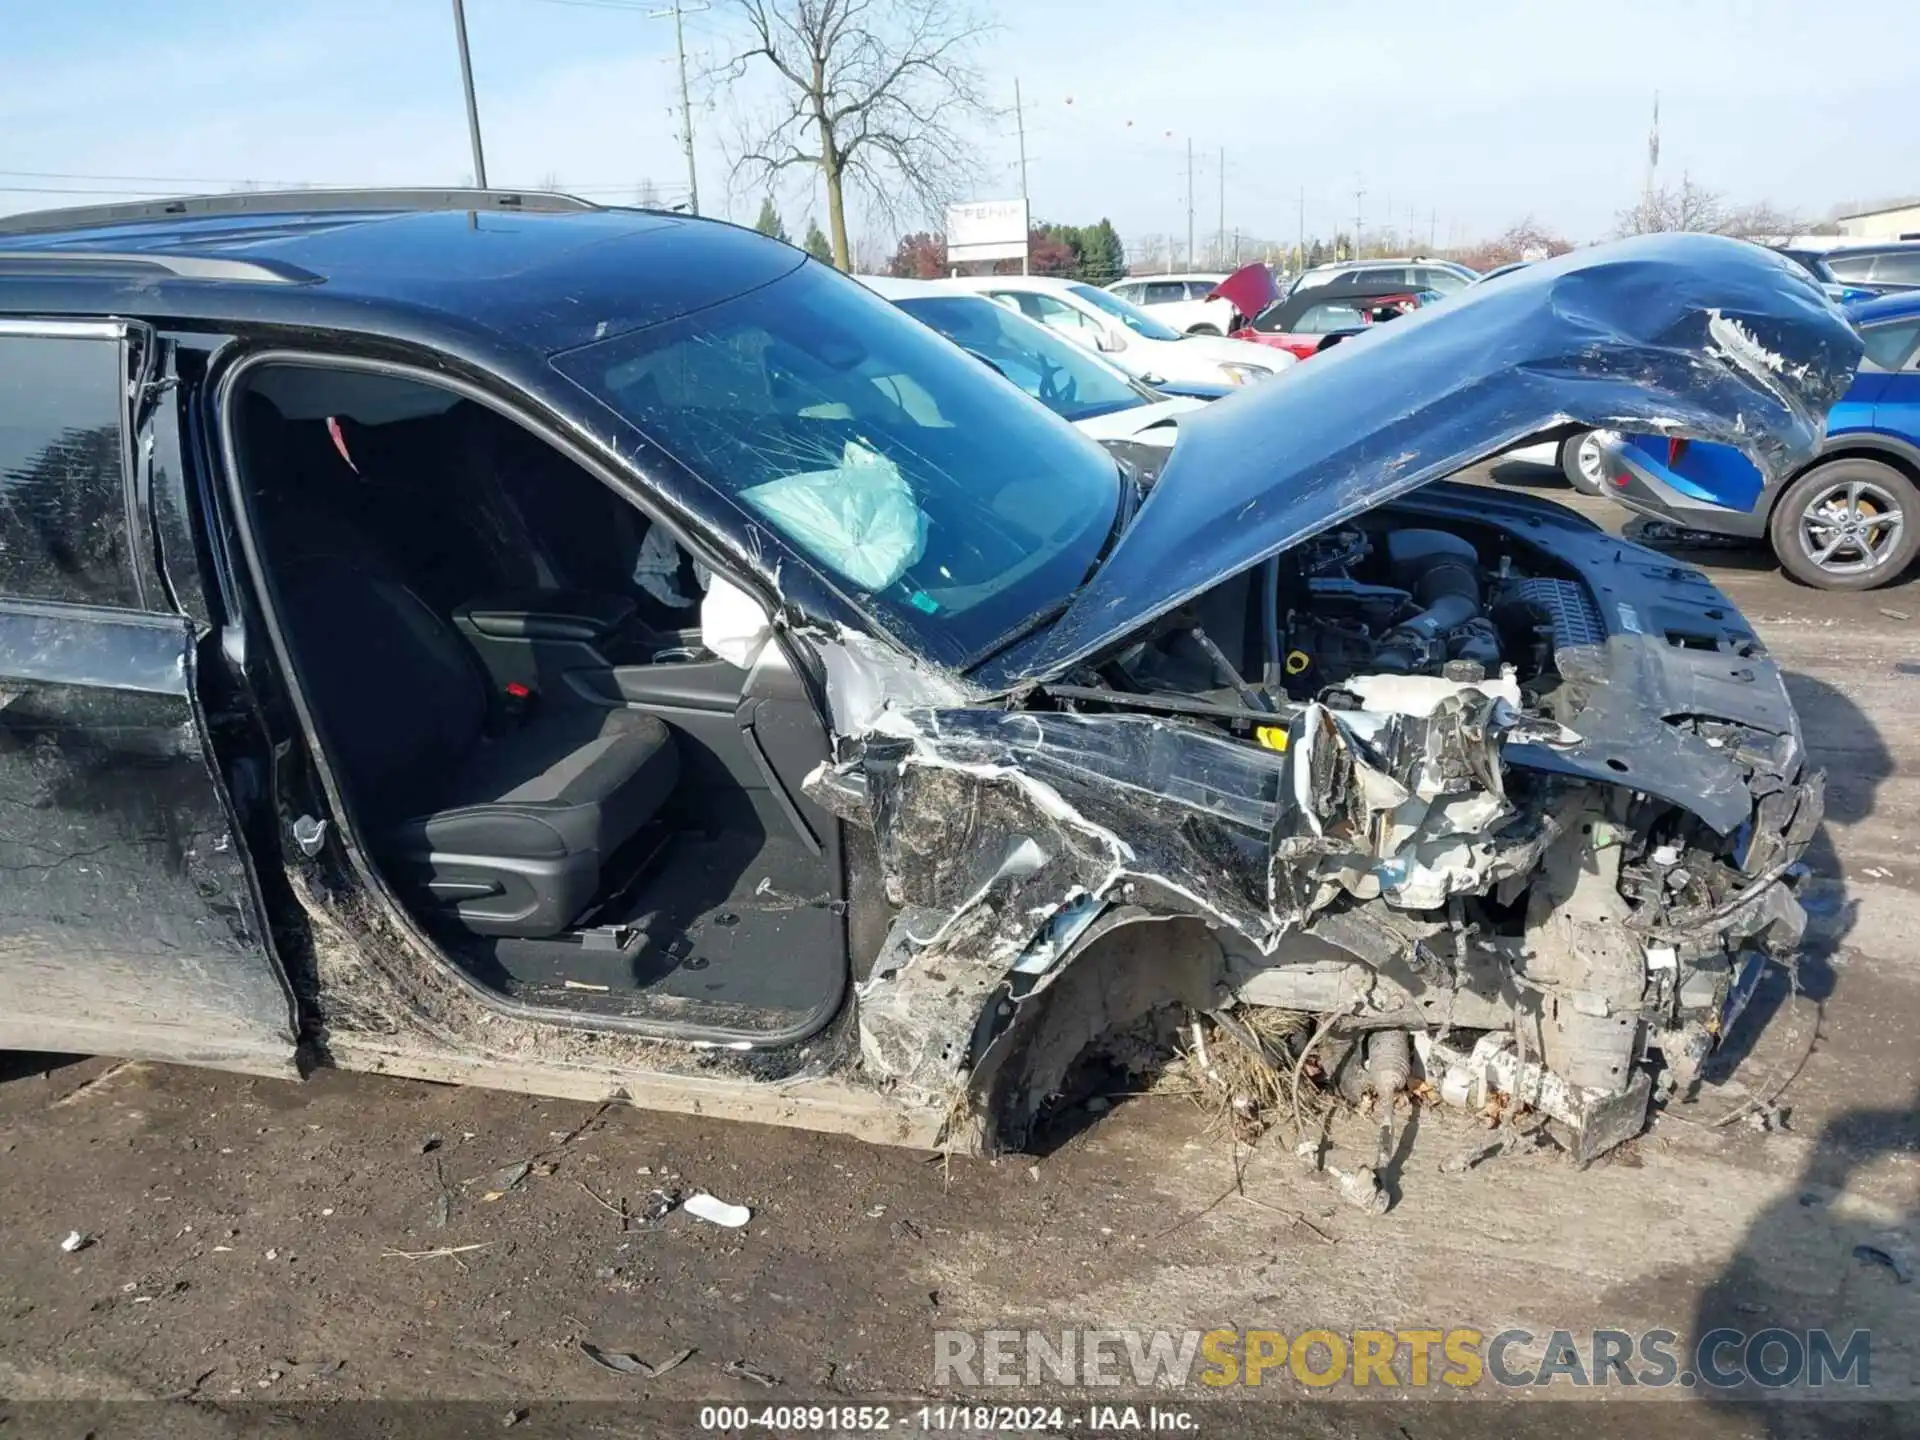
<point x="340" y="1239"/>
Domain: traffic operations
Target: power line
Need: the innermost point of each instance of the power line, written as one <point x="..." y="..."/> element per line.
<point x="66" y="190"/>
<point x="143" y="184"/>
<point x="144" y="179"/>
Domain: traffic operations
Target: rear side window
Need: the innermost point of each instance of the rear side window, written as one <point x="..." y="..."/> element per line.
<point x="1899" y="268"/>
<point x="1327" y="318"/>
<point x="1444" y="282"/>
<point x="1165" y="292"/>
<point x="63" y="515"/>
<point x="1889" y="346"/>
<point x="1850" y="267"/>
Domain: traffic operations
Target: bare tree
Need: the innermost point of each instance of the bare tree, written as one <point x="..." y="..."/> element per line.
<point x="1524" y="240"/>
<point x="1762" y="220"/>
<point x="872" y="93"/>
<point x="1689" y="207"/>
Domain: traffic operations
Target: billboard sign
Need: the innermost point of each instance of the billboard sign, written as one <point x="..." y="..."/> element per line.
<point x="987" y="230"/>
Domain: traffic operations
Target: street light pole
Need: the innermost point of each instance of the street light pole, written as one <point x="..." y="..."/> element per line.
<point x="1189" y="203"/>
<point x="473" y="109"/>
<point x="1020" y="123"/>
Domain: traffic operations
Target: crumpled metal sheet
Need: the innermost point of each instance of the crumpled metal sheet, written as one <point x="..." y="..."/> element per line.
<point x="1691" y="335"/>
<point x="1019" y="814"/>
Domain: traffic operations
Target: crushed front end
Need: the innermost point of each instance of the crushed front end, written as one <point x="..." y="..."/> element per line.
<point x="1448" y="776"/>
<point x="1560" y="875"/>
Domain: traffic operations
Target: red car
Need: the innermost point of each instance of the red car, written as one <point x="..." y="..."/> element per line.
<point x="1309" y="321"/>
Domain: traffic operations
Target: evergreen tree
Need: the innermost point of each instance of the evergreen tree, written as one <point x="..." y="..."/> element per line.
<point x="1103" y="259"/>
<point x="817" y="244"/>
<point x="769" y="222"/>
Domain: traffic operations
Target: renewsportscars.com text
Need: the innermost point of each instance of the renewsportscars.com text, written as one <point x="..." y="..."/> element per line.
<point x="1459" y="1358"/>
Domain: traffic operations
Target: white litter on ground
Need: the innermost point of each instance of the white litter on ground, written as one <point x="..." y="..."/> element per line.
<point x="703" y="1206"/>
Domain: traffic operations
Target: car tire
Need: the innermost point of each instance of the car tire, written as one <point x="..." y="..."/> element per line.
<point x="1580" y="463"/>
<point x="1862" y="499"/>
<point x="1204" y="330"/>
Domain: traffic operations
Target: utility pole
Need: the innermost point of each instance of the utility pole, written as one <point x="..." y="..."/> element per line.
<point x="1653" y="146"/>
<point x="686" y="103"/>
<point x="1189" y="202"/>
<point x="1433" y="227"/>
<point x="1303" y="228"/>
<point x="473" y="110"/>
<point x="1020" y="122"/>
<point x="1359" y="194"/>
<point x="1223" y="204"/>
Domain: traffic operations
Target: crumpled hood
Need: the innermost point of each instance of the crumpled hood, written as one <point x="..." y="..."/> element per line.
<point x="1692" y="335"/>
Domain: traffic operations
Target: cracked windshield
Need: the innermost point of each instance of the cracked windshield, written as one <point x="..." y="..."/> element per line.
<point x="927" y="487"/>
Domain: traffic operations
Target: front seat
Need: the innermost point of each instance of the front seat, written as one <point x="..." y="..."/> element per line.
<point x="502" y="834"/>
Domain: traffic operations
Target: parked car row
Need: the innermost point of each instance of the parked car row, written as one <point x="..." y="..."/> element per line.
<point x="1139" y="343"/>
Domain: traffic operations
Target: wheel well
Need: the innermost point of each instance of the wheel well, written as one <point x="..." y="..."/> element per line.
<point x="1120" y="974"/>
<point x="1894" y="459"/>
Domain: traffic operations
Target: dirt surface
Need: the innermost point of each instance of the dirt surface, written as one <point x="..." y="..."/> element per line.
<point x="312" y="1245"/>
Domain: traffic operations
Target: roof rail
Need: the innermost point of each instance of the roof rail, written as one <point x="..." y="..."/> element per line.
<point x="60" y="262"/>
<point x="275" y="202"/>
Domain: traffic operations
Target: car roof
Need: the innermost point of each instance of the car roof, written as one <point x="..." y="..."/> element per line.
<point x="528" y="272"/>
<point x="1881" y="247"/>
<point x="896" y="287"/>
<point x="1320" y="295"/>
<point x="1215" y="277"/>
<point x="1052" y="284"/>
<point x="1393" y="260"/>
<point x="1901" y="305"/>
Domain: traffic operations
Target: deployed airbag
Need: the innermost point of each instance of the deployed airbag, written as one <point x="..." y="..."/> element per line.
<point x="859" y="518"/>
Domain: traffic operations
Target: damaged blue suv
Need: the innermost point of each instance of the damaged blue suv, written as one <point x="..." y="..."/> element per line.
<point x="1848" y="519"/>
<point x="488" y="637"/>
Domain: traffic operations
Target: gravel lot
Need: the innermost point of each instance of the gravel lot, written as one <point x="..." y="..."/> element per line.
<point x="271" y="1242"/>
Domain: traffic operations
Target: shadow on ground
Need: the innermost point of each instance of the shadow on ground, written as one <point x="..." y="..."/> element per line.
<point x="1845" y="741"/>
<point x="1822" y="1259"/>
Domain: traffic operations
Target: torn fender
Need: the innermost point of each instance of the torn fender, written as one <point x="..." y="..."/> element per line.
<point x="995" y="829"/>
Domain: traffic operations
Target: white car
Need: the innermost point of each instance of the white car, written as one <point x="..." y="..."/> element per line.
<point x="1137" y="343"/>
<point x="1577" y="457"/>
<point x="1099" y="398"/>
<point x="1180" y="300"/>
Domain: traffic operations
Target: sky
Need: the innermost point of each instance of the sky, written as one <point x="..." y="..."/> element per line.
<point x="1452" y="121"/>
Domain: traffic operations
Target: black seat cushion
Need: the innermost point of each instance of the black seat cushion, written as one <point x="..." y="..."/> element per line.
<point x="502" y="835"/>
<point x="572" y="781"/>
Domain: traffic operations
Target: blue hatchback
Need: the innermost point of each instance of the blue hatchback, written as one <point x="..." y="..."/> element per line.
<point x="1848" y="521"/>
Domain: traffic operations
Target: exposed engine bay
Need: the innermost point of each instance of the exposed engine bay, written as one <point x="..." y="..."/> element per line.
<point x="1440" y="774"/>
<point x="1375" y="600"/>
<point x="1419" y="777"/>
